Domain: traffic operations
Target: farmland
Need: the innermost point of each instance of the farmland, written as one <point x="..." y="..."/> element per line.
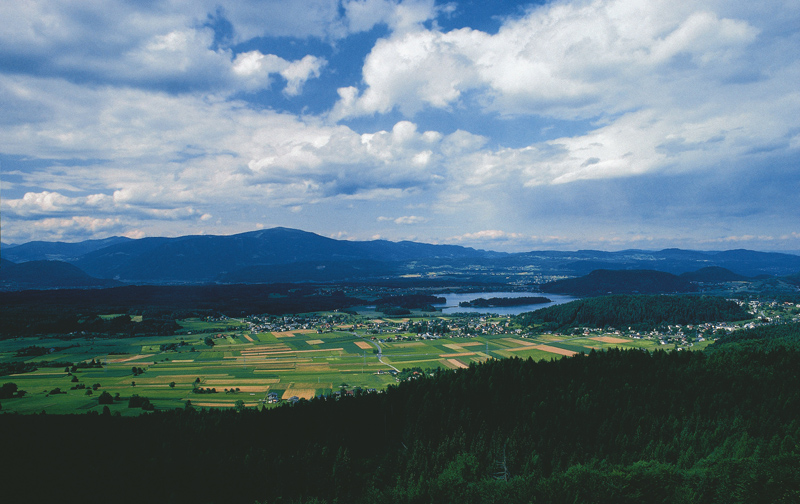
<point x="224" y="362"/>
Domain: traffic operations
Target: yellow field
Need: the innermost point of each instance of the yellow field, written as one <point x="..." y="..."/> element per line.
<point x="270" y="347"/>
<point x="609" y="339"/>
<point x="555" y="350"/>
<point x="135" y="357"/>
<point x="472" y="343"/>
<point x="462" y="354"/>
<point x="315" y="342"/>
<point x="519" y="341"/>
<point x="544" y="348"/>
<point x="363" y="345"/>
<point x="457" y="363"/>
<point x="302" y="393"/>
<point x="408" y="345"/>
<point x="313" y="368"/>
<point x="283" y="334"/>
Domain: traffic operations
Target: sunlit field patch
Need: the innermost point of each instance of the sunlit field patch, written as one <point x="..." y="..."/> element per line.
<point x="609" y="339"/>
<point x="456" y="364"/>
<point x="132" y="358"/>
<point x="300" y="391"/>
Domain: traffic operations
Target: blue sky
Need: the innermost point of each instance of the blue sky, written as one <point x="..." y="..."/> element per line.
<point x="606" y="124"/>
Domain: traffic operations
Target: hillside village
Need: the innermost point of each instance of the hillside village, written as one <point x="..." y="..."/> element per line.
<point x="465" y="325"/>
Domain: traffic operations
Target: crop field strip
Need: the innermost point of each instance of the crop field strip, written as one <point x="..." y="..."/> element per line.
<point x="456" y="364"/>
<point x="301" y="363"/>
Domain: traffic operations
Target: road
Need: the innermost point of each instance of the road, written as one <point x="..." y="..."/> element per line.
<point x="380" y="351"/>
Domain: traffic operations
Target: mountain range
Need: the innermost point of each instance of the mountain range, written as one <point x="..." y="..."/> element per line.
<point x="281" y="254"/>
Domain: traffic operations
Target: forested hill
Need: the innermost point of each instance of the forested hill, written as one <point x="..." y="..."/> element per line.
<point x="636" y="311"/>
<point x="616" y="426"/>
<point x="767" y="338"/>
<point x="603" y="282"/>
<point x="47" y="275"/>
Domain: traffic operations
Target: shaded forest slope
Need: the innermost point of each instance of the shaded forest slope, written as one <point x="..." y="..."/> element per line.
<point x="637" y="311"/>
<point x="619" y="426"/>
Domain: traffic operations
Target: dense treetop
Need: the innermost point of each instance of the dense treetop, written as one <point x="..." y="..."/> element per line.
<point x="634" y="311"/>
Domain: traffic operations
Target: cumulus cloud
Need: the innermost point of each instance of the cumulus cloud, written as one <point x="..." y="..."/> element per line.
<point x="406" y="219"/>
<point x="162" y="157"/>
<point x="488" y="234"/>
<point x="79" y="227"/>
<point x="168" y="47"/>
<point x="668" y="85"/>
<point x="33" y="205"/>
<point x="565" y="60"/>
<point x="254" y="70"/>
<point x="164" y="128"/>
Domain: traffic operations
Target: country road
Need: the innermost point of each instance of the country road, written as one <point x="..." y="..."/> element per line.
<point x="380" y="351"/>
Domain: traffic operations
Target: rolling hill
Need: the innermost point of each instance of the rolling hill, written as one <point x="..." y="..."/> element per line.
<point x="282" y="254"/>
<point x="47" y="275"/>
<point x="601" y="282"/>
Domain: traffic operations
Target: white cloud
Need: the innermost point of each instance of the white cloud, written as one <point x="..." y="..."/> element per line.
<point x="49" y="203"/>
<point x="563" y="60"/>
<point x="254" y="70"/>
<point x="79" y="227"/>
<point x="141" y="129"/>
<point x="670" y="85"/>
<point x="404" y="220"/>
<point x="166" y="47"/>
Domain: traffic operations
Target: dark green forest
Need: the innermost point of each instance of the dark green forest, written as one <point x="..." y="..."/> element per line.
<point x="615" y="427"/>
<point x="637" y="311"/>
<point x="29" y="313"/>
<point x="500" y="302"/>
<point x="602" y="282"/>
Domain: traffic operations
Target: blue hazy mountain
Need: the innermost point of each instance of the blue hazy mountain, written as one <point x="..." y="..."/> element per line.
<point x="603" y="282"/>
<point x="282" y="254"/>
<point x="206" y="258"/>
<point x="47" y="275"/>
<point x="56" y="251"/>
<point x="743" y="262"/>
<point x="715" y="274"/>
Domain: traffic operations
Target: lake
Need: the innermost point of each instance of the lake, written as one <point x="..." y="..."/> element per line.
<point x="451" y="306"/>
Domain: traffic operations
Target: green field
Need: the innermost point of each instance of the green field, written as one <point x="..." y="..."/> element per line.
<point x="302" y="363"/>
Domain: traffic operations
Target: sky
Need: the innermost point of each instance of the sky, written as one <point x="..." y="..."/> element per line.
<point x="509" y="126"/>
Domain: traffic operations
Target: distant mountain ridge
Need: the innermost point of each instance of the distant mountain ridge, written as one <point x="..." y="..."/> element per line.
<point x="47" y="275"/>
<point x="205" y="258"/>
<point x="56" y="251"/>
<point x="283" y="254"/>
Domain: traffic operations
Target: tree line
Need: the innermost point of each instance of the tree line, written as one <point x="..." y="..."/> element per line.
<point x="637" y="311"/>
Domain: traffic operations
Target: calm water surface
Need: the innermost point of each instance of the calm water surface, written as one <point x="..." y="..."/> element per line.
<point x="451" y="306"/>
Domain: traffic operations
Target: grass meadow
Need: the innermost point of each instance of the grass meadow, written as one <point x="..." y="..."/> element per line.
<point x="247" y="366"/>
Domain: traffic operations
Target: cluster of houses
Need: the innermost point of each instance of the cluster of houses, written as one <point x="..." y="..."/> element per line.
<point x="388" y="330"/>
<point x="320" y="324"/>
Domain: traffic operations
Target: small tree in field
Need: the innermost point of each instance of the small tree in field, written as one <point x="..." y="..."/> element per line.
<point x="105" y="398"/>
